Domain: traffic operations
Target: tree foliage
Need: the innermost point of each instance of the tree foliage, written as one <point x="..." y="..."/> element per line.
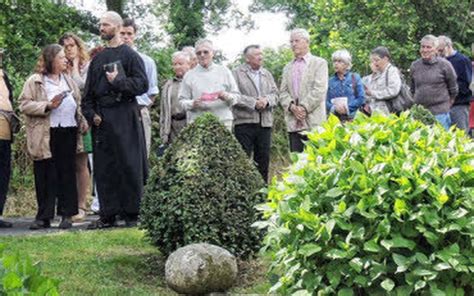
<point x="188" y="20"/>
<point x="361" y="25"/>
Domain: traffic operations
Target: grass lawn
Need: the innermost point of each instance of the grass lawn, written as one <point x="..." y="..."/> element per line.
<point x="116" y="262"/>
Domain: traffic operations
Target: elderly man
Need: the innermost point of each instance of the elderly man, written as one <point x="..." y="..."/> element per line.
<point x="193" y="61"/>
<point x="433" y="81"/>
<point x="208" y="87"/>
<point x="462" y="66"/>
<point x="172" y="114"/>
<point x="253" y="118"/>
<point x="129" y="34"/>
<point x="6" y="111"/>
<point x="116" y="76"/>
<point x="303" y="90"/>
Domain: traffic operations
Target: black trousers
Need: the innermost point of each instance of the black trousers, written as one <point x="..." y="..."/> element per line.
<point x="5" y="170"/>
<point x="296" y="142"/>
<point x="55" y="178"/>
<point x="257" y="140"/>
<point x="120" y="163"/>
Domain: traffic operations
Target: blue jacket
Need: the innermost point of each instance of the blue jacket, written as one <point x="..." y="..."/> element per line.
<point x="344" y="88"/>
<point x="463" y="68"/>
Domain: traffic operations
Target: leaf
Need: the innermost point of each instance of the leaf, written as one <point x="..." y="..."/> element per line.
<point x="345" y="292"/>
<point x="356" y="264"/>
<point x="12" y="281"/>
<point x="388" y="285"/>
<point x="334" y="192"/>
<point x="400" y="207"/>
<point x="402" y="262"/>
<point x="309" y="249"/>
<point x="441" y="266"/>
<point x="398" y="242"/>
<point x="372" y="246"/>
<point x="459" y="213"/>
<point x="301" y="293"/>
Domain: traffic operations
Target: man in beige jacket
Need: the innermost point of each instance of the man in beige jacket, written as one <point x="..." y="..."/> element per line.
<point x="303" y="90"/>
<point x="253" y="118"/>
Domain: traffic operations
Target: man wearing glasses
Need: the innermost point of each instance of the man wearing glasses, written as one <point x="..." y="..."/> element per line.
<point x="208" y="87"/>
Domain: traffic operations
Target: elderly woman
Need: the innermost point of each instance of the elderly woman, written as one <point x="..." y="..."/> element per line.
<point x="346" y="91"/>
<point x="50" y="102"/>
<point x="208" y="87"/>
<point x="78" y="64"/>
<point x="172" y="114"/>
<point x="384" y="84"/>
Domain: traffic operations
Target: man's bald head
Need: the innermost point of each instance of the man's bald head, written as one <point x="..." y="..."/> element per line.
<point x="110" y="25"/>
<point x="112" y="17"/>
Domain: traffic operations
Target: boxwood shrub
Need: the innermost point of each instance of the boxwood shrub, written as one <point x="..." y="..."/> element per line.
<point x="383" y="205"/>
<point x="203" y="189"/>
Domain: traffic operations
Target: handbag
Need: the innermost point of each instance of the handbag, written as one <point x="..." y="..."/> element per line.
<point x="13" y="120"/>
<point x="404" y="100"/>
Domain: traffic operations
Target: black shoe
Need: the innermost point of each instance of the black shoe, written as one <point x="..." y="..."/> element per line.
<point x="101" y="224"/>
<point x="66" y="223"/>
<point x="5" y="224"/>
<point x="40" y="224"/>
<point x="131" y="223"/>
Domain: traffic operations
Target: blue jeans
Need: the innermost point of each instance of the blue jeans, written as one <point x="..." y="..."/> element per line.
<point x="444" y="119"/>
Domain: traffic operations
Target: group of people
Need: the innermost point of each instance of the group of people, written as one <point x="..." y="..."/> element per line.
<point x="79" y="102"/>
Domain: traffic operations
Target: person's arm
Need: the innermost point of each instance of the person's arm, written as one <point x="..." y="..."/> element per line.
<point x="152" y="75"/>
<point x="135" y="82"/>
<point x="285" y="97"/>
<point x="29" y="105"/>
<point x="185" y="94"/>
<point x="359" y="99"/>
<point x="163" y="114"/>
<point x="318" y="91"/>
<point x="451" y="81"/>
<point x="272" y="96"/>
<point x="412" y="80"/>
<point x="88" y="102"/>
<point x="392" y="89"/>
<point x="243" y="100"/>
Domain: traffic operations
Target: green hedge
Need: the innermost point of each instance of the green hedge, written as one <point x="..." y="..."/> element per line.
<point x="204" y="189"/>
<point x="380" y="205"/>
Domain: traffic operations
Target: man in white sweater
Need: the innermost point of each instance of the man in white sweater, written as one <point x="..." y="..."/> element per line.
<point x="208" y="87"/>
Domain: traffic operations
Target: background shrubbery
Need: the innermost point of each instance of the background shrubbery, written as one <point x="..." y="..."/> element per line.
<point x="204" y="189"/>
<point x="379" y="205"/>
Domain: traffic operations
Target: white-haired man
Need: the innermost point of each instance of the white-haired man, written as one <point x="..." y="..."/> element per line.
<point x="433" y="81"/>
<point x="208" y="87"/>
<point x="303" y="90"/>
<point x="172" y="114"/>
<point x="115" y="77"/>
<point x="462" y="66"/>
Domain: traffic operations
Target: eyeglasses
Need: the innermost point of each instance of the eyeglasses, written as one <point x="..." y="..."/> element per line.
<point x="202" y="52"/>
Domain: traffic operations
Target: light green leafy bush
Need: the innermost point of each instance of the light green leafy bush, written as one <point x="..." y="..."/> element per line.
<point x="19" y="276"/>
<point x="204" y="189"/>
<point x="382" y="205"/>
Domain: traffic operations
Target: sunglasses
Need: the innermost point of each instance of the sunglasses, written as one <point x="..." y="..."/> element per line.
<point x="202" y="52"/>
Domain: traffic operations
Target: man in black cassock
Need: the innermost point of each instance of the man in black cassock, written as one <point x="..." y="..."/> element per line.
<point x="115" y="77"/>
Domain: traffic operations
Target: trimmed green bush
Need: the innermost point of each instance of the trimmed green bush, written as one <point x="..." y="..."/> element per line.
<point x="382" y="205"/>
<point x="204" y="189"/>
<point x="19" y="276"/>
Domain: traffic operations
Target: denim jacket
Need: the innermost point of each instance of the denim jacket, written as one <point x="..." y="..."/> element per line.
<point x="344" y="88"/>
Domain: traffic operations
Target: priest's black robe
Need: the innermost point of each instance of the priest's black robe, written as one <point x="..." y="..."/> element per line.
<point x="120" y="165"/>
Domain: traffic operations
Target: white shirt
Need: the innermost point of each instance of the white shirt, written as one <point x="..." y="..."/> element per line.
<point x="150" y="70"/>
<point x="255" y="76"/>
<point x="65" y="114"/>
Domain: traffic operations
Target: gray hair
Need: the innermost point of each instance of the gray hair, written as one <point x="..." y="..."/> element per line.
<point x="300" y="32"/>
<point x="430" y="38"/>
<point x="344" y="56"/>
<point x="445" y="40"/>
<point x="182" y="54"/>
<point x="190" y="51"/>
<point x="204" y="42"/>
<point x="381" y="52"/>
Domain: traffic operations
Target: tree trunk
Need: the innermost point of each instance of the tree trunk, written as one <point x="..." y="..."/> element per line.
<point x="116" y="5"/>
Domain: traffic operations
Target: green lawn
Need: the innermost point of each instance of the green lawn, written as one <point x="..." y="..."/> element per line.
<point x="117" y="262"/>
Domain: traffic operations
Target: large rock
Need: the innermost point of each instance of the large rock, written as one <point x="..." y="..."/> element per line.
<point x="200" y="269"/>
